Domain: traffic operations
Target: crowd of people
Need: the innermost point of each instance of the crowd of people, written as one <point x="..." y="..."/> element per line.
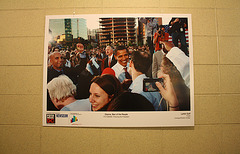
<point x="111" y="78"/>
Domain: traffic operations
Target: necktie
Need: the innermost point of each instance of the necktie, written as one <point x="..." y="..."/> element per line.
<point x="127" y="75"/>
<point x="109" y="62"/>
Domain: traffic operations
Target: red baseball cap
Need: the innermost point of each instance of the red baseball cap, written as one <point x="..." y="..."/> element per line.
<point x="108" y="71"/>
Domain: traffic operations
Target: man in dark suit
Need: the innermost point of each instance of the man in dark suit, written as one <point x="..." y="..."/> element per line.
<point x="109" y="61"/>
<point x="57" y="68"/>
<point x="177" y="31"/>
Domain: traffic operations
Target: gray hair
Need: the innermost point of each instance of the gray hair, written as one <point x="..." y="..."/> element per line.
<point x="61" y="87"/>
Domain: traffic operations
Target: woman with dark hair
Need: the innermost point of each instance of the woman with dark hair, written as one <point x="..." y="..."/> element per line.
<point x="103" y="90"/>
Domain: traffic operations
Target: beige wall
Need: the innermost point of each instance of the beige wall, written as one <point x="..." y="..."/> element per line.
<point x="216" y="36"/>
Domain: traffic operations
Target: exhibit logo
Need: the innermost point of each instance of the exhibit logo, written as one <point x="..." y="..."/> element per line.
<point x="50" y="118"/>
<point x="74" y="119"/>
<point x="62" y="115"/>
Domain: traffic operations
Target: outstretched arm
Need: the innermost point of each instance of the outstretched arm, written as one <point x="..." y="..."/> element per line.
<point x="179" y="59"/>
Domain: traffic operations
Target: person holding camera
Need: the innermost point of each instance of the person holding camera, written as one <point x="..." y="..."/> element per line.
<point x="168" y="93"/>
<point x="181" y="90"/>
<point x="160" y="35"/>
<point x="179" y="60"/>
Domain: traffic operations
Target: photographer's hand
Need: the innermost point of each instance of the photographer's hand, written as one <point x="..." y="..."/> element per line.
<point x="168" y="92"/>
<point x="173" y="22"/>
<point x="176" y="20"/>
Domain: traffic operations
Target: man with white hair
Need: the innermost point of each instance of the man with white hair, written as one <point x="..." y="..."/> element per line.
<point x="62" y="90"/>
<point x="110" y="60"/>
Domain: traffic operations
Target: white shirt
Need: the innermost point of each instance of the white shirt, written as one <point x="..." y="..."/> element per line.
<point x="119" y="71"/>
<point x="181" y="61"/>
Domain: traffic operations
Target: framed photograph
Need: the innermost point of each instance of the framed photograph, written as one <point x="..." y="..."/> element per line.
<point x="118" y="70"/>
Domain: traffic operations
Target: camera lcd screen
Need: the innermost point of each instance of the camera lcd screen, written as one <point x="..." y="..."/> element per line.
<point x="150" y="86"/>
